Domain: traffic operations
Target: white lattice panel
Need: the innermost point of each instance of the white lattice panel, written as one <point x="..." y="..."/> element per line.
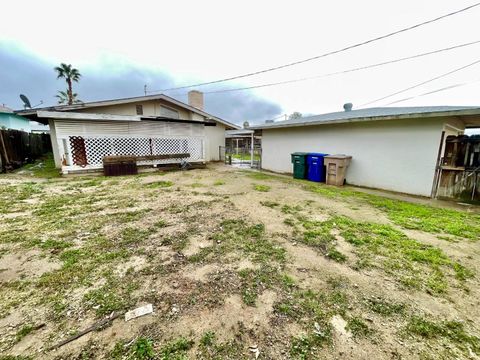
<point x="98" y="147"/>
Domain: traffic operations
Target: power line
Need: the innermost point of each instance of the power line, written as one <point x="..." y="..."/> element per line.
<point x="278" y="117"/>
<point x="422" y="83"/>
<point x="344" y="71"/>
<point x="325" y="54"/>
<point x="454" y="86"/>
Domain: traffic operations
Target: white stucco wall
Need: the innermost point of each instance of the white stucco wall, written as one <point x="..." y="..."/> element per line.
<point x="397" y="155"/>
<point x="215" y="137"/>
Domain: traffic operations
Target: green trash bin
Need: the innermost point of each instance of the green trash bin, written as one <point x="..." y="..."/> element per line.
<point x="299" y="161"/>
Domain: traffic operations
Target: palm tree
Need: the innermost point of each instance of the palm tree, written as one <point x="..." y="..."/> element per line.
<point x="70" y="74"/>
<point x="63" y="98"/>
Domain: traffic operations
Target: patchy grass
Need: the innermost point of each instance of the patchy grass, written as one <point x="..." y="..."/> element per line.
<point x="261" y="188"/>
<point x="160" y="224"/>
<point x="176" y="349"/>
<point x="211" y="348"/>
<point x="410" y="215"/>
<point x="256" y="175"/>
<point x="251" y="240"/>
<point x="255" y="281"/>
<point x="384" y="307"/>
<point x="428" y="218"/>
<point x="208" y="339"/>
<point x="141" y="349"/>
<point x="461" y="272"/>
<point x="358" y="327"/>
<point x="318" y="234"/>
<point x="336" y="255"/>
<point x="117" y="245"/>
<point x="313" y="310"/>
<point x="115" y="295"/>
<point x="289" y="209"/>
<point x="133" y="236"/>
<point x="159" y="184"/>
<point x="412" y="263"/>
<point x="270" y="204"/>
<point x="42" y="168"/>
<point x="12" y="196"/>
<point x="56" y="245"/>
<point x="130" y="216"/>
<point x="24" y="331"/>
<point x="305" y="346"/>
<point x="452" y="331"/>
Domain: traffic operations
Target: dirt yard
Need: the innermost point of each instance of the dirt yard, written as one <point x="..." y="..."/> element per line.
<point x="237" y="264"/>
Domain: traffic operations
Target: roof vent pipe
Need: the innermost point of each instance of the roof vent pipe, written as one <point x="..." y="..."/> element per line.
<point x="348" y="106"/>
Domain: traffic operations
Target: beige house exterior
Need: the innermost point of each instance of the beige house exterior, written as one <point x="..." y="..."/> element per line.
<point x="396" y="149"/>
<point x="159" y="116"/>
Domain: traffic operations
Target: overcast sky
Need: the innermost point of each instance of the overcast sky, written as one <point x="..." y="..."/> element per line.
<point x="120" y="46"/>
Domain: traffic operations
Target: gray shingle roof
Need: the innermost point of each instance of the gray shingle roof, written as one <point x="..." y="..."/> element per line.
<point x="371" y="114"/>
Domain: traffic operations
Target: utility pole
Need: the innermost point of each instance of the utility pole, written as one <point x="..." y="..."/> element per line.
<point x="145" y="89"/>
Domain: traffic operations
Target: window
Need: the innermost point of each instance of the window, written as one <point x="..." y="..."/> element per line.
<point x="139" y="109"/>
<point x="169" y="112"/>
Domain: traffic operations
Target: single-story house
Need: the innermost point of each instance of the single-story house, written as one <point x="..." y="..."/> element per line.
<point x="82" y="134"/>
<point x="396" y="148"/>
<point x="10" y="120"/>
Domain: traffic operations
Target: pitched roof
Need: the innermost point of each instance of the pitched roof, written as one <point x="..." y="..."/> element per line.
<point x="94" y="104"/>
<point x="373" y="114"/>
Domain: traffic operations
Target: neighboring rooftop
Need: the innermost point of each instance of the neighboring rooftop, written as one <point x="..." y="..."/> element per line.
<point x="4" y="109"/>
<point x="372" y="114"/>
<point x="94" y="104"/>
<point x="239" y="132"/>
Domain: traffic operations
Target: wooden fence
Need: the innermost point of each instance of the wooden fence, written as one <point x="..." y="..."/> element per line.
<point x="19" y="147"/>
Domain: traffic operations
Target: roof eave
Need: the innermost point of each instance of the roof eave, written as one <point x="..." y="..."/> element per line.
<point x="62" y="115"/>
<point x="372" y="118"/>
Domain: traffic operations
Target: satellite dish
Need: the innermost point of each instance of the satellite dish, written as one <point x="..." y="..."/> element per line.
<point x="26" y="102"/>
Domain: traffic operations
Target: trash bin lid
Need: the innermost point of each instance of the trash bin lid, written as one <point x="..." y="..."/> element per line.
<point x="317" y="154"/>
<point x="338" y="156"/>
<point x="300" y="153"/>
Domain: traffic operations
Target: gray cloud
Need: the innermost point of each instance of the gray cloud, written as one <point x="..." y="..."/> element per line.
<point x="23" y="73"/>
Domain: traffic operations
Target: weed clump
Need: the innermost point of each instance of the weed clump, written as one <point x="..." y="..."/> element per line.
<point x="261" y="188"/>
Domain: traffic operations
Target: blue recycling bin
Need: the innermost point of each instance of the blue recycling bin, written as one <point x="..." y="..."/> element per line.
<point x="315" y="167"/>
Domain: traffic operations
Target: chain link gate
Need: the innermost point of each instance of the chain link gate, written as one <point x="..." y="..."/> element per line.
<point x="241" y="157"/>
